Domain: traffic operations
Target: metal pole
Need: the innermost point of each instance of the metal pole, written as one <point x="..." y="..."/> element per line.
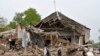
<point x="55" y="5"/>
<point x="56" y="10"/>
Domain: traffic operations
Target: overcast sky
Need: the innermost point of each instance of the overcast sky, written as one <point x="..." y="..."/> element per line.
<point x="86" y="12"/>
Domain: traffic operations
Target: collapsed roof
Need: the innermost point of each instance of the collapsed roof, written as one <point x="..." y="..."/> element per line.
<point x="53" y="21"/>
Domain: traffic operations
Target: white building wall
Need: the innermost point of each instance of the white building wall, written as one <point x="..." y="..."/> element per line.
<point x="87" y="35"/>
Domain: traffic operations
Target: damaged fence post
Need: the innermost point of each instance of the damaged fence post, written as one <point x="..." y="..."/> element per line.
<point x="51" y="39"/>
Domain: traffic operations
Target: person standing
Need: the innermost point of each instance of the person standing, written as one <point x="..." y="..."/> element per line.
<point x="25" y="38"/>
<point x="59" y="52"/>
<point x="46" y="51"/>
<point x="12" y="42"/>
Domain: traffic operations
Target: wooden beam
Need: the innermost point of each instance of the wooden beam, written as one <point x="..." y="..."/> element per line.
<point x="52" y="28"/>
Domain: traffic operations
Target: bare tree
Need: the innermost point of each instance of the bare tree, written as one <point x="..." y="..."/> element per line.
<point x="2" y="22"/>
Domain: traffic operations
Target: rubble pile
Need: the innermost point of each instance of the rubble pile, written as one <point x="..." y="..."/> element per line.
<point x="35" y="50"/>
<point x="27" y="52"/>
<point x="67" y="49"/>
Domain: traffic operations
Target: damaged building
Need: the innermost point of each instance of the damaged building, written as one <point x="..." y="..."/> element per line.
<point x="55" y="32"/>
<point x="58" y="27"/>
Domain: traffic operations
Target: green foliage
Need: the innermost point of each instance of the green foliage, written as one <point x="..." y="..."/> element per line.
<point x="28" y="17"/>
<point x="4" y="29"/>
<point x="96" y="44"/>
<point x="12" y="25"/>
<point x="18" y="17"/>
<point x="31" y="17"/>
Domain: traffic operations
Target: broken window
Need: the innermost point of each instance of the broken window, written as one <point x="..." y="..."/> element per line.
<point x="69" y="39"/>
<point x="1" y="36"/>
<point x="47" y="42"/>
